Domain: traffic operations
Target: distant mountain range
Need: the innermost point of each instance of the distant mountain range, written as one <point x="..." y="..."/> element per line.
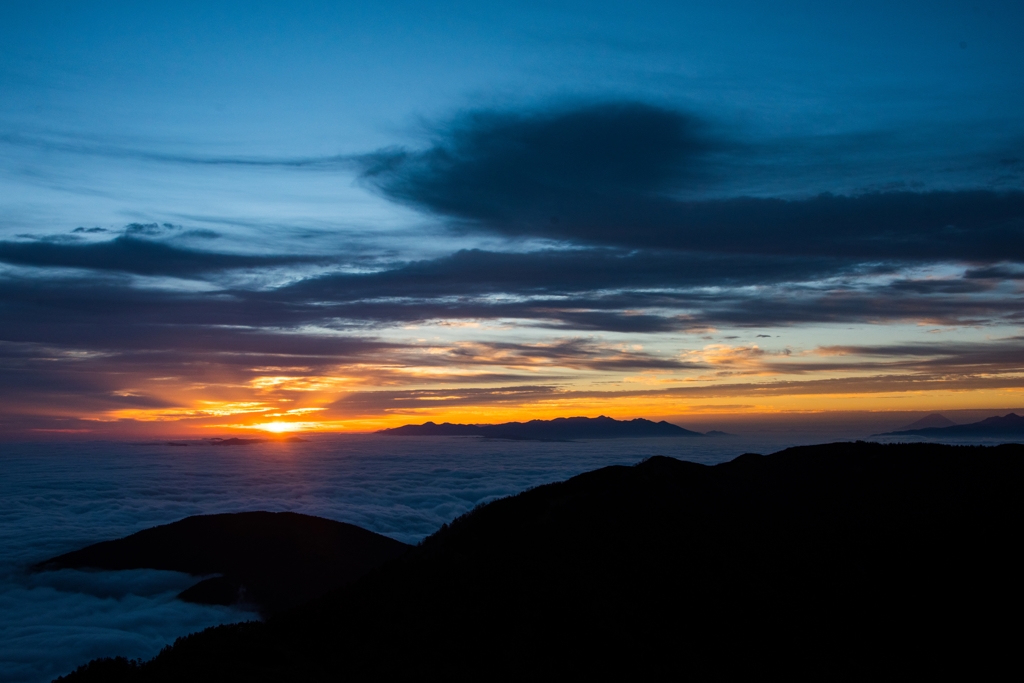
<point x="1011" y="425"/>
<point x="559" y="429"/>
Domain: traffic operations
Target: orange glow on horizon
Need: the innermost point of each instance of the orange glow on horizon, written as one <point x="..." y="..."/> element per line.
<point x="728" y="381"/>
<point x="647" y="407"/>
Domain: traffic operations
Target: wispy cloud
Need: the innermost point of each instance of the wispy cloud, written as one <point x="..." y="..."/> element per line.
<point x="90" y="147"/>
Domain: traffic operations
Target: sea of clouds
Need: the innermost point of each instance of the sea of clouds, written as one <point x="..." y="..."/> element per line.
<point x="59" y="497"/>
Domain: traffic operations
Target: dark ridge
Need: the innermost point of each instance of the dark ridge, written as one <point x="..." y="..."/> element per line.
<point x="823" y="562"/>
<point x="270" y="560"/>
<point x="559" y="429"/>
<point x="1008" y="426"/>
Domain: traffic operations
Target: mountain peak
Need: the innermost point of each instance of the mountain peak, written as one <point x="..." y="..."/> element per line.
<point x="930" y="421"/>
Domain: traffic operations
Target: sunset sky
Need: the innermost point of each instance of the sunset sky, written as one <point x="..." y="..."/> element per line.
<point x="347" y="216"/>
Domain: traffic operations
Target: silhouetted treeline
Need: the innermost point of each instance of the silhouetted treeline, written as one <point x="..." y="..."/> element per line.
<point x="842" y="561"/>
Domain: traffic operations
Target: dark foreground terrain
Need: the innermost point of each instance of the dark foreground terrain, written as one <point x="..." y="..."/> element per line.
<point x="841" y="561"/>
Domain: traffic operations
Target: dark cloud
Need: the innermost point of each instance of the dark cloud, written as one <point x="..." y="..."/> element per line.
<point x="574" y="353"/>
<point x="583" y="314"/>
<point x="997" y="355"/>
<point x="940" y="361"/>
<point x="485" y="159"/>
<point x="613" y="174"/>
<point x="105" y="323"/>
<point x="476" y="272"/>
<point x="868" y="305"/>
<point x="130" y="253"/>
<point x="951" y="285"/>
<point x="688" y="310"/>
<point x="996" y="272"/>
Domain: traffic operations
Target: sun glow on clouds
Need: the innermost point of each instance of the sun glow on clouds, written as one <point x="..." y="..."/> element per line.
<point x="482" y="380"/>
<point x="299" y="383"/>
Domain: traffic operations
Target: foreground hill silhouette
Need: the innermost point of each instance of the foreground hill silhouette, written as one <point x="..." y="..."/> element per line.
<point x="267" y="560"/>
<point x="827" y="562"/>
<point x="559" y="429"/>
<point x="1008" y="426"/>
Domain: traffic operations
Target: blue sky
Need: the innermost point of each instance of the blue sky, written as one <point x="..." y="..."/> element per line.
<point x="868" y="93"/>
<point x="212" y="133"/>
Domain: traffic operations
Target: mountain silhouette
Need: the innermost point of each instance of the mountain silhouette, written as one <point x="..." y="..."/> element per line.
<point x="934" y="420"/>
<point x="268" y="560"/>
<point x="1007" y="426"/>
<point x="830" y="561"/>
<point x="559" y="429"/>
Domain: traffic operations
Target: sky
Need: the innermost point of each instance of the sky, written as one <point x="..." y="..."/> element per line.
<point x="240" y="217"/>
